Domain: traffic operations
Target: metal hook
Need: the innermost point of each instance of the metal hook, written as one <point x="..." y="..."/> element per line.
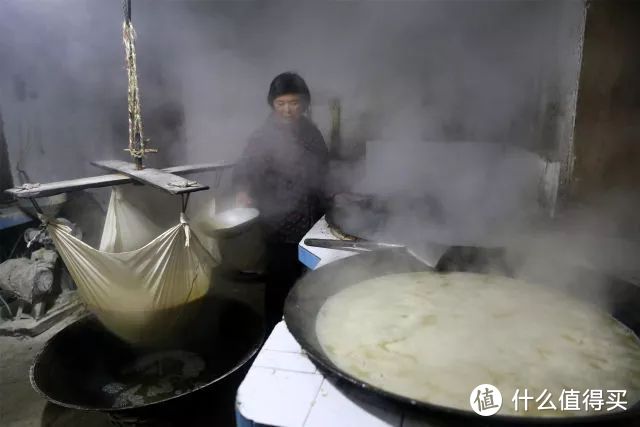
<point x="185" y="201"/>
<point x="36" y="206"/>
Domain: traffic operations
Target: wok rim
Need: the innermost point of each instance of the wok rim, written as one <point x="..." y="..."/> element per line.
<point x="87" y="317"/>
<point x="326" y="365"/>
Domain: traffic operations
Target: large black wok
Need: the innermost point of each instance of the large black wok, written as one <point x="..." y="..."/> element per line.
<point x="310" y="293"/>
<point x="86" y="367"/>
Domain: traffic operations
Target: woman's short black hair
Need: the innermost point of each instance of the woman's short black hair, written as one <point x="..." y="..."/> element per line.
<point x="288" y="84"/>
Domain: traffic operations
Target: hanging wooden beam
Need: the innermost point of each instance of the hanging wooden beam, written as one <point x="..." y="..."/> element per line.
<point x="168" y="182"/>
<point x="30" y="191"/>
<point x="51" y="189"/>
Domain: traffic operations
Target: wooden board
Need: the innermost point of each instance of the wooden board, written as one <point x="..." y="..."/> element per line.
<point x="204" y="167"/>
<point x="53" y="188"/>
<point x="166" y="181"/>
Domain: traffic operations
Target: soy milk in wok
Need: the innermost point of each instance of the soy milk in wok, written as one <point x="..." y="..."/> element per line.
<point x="435" y="337"/>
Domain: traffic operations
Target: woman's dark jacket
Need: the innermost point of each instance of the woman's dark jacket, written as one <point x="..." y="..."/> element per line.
<point x="283" y="169"/>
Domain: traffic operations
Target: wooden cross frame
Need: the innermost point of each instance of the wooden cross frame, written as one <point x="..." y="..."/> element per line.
<point x="168" y="179"/>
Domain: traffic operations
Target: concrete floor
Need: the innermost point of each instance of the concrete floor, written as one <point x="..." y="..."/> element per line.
<point x="21" y="406"/>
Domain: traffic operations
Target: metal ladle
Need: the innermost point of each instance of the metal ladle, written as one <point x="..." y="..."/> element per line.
<point x="427" y="253"/>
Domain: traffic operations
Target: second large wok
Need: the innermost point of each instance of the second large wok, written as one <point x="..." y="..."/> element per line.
<point x="310" y="293"/>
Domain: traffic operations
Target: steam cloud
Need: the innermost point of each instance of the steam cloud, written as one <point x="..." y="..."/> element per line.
<point x="424" y="70"/>
<point x="404" y="70"/>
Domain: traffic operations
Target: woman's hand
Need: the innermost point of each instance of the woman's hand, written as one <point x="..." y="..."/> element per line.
<point x="243" y="200"/>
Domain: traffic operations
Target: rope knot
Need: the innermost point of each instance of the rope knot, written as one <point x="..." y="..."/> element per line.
<point x="28" y="186"/>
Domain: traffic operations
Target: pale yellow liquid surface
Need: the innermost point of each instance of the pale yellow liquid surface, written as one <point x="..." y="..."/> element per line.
<point x="435" y="337"/>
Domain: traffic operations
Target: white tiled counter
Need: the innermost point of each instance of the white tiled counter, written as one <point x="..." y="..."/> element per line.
<point x="283" y="388"/>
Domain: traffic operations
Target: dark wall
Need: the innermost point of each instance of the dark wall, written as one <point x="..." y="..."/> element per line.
<point x="6" y="180"/>
<point x="607" y="130"/>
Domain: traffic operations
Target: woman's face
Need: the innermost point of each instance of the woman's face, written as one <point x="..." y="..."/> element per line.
<point x="289" y="107"/>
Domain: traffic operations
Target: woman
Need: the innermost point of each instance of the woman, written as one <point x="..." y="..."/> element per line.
<point x="281" y="173"/>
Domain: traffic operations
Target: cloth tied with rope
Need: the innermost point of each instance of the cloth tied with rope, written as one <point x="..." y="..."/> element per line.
<point x="149" y="274"/>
